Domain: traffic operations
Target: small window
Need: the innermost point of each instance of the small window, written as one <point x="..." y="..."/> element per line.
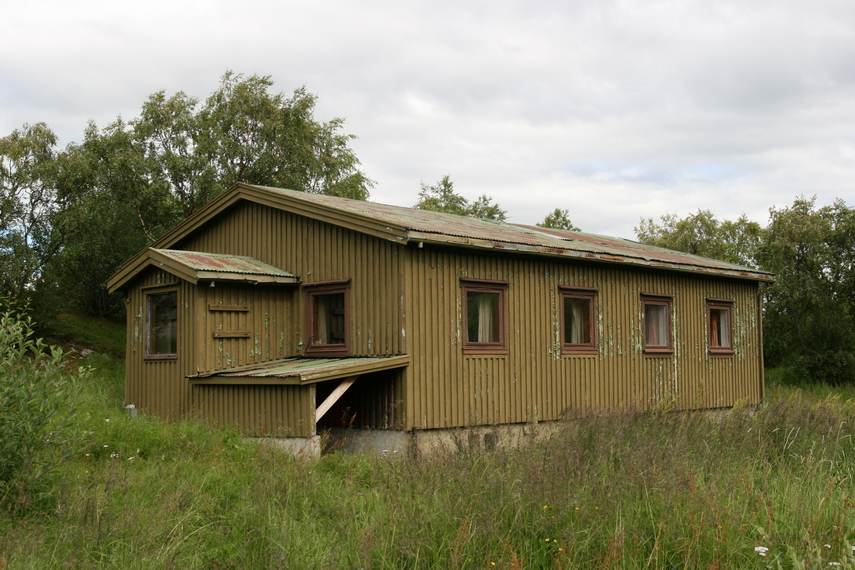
<point x="657" y="325"/>
<point x="162" y="325"/>
<point x="484" y="317"/>
<point x="719" y="319"/>
<point x="327" y="319"/>
<point x="578" y="321"/>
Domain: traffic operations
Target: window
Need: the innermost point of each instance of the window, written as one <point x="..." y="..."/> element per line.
<point x="484" y="317"/>
<point x="657" y="325"/>
<point x="327" y="319"/>
<point x="720" y="327"/>
<point x="578" y="321"/>
<point x="162" y="325"/>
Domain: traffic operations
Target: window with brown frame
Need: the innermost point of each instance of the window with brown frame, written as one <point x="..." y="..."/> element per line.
<point x="484" y="317"/>
<point x="161" y="325"/>
<point x="657" y="325"/>
<point x="720" y="322"/>
<point x="327" y="322"/>
<point x="578" y="320"/>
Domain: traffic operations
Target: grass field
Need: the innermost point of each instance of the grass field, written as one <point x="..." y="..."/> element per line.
<point x="770" y="489"/>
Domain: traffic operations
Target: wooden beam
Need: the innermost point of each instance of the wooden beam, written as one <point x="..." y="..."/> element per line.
<point x="333" y="398"/>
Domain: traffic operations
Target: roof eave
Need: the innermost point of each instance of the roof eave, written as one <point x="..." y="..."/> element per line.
<point x="459" y="241"/>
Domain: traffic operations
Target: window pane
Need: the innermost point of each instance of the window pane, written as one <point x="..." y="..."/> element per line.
<point x="720" y="328"/>
<point x="577" y="321"/>
<point x="656" y="325"/>
<point x="163" y="323"/>
<point x="482" y="313"/>
<point x="328" y="319"/>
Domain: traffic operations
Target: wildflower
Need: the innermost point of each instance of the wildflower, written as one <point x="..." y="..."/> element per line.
<point x="547" y="540"/>
<point x="553" y="540"/>
<point x="835" y="564"/>
<point x="827" y="545"/>
<point x="545" y="507"/>
<point x="761" y="550"/>
<point x="107" y="420"/>
<point x="560" y="550"/>
<point x="105" y="445"/>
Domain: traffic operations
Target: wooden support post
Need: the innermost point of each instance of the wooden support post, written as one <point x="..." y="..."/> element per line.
<point x="333" y="398"/>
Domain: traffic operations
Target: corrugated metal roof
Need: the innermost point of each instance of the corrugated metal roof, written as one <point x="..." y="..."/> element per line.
<point x="219" y="263"/>
<point x="423" y="225"/>
<point x="301" y="370"/>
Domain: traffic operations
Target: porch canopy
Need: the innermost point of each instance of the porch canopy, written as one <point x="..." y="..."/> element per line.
<point x="301" y="371"/>
<point x="196" y="266"/>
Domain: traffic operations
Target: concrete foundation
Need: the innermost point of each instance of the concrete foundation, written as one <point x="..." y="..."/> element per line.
<point x="299" y="447"/>
<point x="435" y="442"/>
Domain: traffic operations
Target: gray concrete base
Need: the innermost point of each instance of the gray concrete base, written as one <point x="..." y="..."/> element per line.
<point x="435" y="442"/>
<point x="299" y="447"/>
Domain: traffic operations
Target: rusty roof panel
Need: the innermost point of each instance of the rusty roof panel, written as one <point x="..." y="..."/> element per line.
<point x="307" y="370"/>
<point x="424" y="225"/>
<point x="214" y="262"/>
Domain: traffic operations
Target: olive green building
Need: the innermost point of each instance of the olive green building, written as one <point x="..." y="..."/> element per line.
<point x="287" y="313"/>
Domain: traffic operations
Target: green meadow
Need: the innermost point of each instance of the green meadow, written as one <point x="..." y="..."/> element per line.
<point x="770" y="487"/>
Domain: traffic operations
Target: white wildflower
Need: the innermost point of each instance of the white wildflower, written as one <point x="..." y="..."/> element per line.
<point x="761" y="550"/>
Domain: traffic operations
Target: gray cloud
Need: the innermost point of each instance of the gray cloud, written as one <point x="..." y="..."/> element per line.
<point x="614" y="109"/>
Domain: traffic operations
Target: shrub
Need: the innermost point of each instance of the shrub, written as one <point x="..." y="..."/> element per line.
<point x="37" y="404"/>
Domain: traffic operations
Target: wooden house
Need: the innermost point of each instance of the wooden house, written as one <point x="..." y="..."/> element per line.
<point x="287" y="313"/>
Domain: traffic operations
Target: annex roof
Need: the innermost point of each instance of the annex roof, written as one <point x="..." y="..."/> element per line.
<point x="301" y="370"/>
<point x="409" y="225"/>
<point x="195" y="266"/>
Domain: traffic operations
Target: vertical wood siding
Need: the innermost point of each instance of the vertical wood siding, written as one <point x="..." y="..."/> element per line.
<point x="534" y="380"/>
<point x="407" y="300"/>
<point x="159" y="386"/>
<point x="316" y="252"/>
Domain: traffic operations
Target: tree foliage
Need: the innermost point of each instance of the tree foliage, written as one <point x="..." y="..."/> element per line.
<point x="441" y="197"/>
<point x="129" y="182"/>
<point x="28" y="237"/>
<point x="559" y="219"/>
<point x="810" y="311"/>
<point x="702" y="234"/>
<point x="37" y="403"/>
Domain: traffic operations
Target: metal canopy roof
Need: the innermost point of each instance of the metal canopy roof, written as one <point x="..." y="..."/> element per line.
<point x="195" y="266"/>
<point x="215" y="266"/>
<point x="301" y="371"/>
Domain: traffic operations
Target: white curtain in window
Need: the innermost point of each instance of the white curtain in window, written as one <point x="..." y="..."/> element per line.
<point x="724" y="332"/>
<point x="487" y="317"/>
<point x="322" y="320"/>
<point x="577" y="329"/>
<point x="656" y="327"/>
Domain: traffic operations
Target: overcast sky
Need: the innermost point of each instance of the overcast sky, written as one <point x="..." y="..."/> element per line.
<point x="612" y="110"/>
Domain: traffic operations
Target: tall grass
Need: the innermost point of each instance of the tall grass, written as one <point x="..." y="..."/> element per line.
<point x="607" y="490"/>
